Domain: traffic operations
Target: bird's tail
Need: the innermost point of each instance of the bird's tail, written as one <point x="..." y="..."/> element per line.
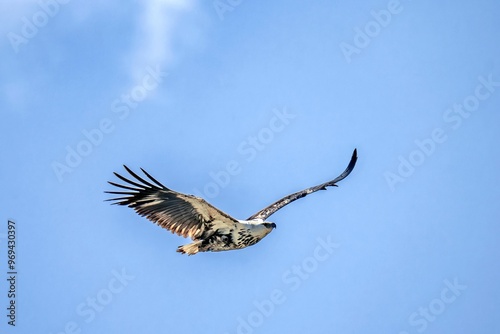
<point x="189" y="249"/>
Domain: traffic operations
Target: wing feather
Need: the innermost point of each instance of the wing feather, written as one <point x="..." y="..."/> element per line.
<point x="271" y="209"/>
<point x="185" y="215"/>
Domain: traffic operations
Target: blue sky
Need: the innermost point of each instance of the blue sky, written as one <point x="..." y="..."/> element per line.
<point x="244" y="102"/>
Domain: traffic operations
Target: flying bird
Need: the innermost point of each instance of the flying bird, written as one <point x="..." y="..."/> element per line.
<point x="210" y="229"/>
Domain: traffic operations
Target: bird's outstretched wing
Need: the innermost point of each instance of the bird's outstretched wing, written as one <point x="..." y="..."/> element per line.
<point x="266" y="212"/>
<point x="185" y="215"/>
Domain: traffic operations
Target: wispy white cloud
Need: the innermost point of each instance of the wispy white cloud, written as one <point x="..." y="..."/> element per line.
<point x="163" y="31"/>
<point x="156" y="34"/>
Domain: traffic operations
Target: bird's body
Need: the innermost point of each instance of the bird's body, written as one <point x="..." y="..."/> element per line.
<point x="239" y="235"/>
<point x="190" y="216"/>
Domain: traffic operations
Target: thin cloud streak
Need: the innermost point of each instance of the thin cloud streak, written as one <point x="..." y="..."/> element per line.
<point x="156" y="34"/>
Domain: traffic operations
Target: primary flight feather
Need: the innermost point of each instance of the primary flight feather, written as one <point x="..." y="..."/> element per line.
<point x="193" y="217"/>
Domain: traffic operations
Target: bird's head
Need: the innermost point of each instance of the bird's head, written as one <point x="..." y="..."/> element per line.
<point x="269" y="225"/>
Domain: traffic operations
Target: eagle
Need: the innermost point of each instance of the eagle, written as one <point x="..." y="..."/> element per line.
<point x="210" y="229"/>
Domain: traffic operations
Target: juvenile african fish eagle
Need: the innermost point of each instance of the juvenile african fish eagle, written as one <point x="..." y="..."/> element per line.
<point x="191" y="216"/>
